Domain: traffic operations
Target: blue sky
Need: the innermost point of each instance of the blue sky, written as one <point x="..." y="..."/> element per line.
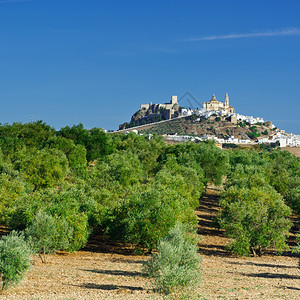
<point x="94" y="62"/>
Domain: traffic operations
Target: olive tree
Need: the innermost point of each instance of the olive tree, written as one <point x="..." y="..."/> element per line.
<point x="176" y="264"/>
<point x="255" y="219"/>
<point x="15" y="259"/>
<point x="48" y="234"/>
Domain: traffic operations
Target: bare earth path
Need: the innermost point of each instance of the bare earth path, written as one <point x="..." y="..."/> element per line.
<point x="110" y="271"/>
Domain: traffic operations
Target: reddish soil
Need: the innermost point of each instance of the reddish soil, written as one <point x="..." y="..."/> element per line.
<point x="111" y="271"/>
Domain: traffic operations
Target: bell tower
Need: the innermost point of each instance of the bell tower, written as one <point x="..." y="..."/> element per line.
<point x="226" y="101"/>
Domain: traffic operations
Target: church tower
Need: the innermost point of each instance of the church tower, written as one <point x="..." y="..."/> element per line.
<point x="226" y="101"/>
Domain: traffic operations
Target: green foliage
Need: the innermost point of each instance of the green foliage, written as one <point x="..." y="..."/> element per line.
<point x="43" y="168"/>
<point x="247" y="176"/>
<point x="99" y="144"/>
<point x="15" y="259"/>
<point x="76" y="154"/>
<point x="48" y="234"/>
<point x="182" y="179"/>
<point x="177" y="263"/>
<point x="230" y="146"/>
<point x="265" y="132"/>
<point x="148" y="151"/>
<point x="14" y="137"/>
<point x="255" y="219"/>
<point x="129" y="186"/>
<point x="253" y="135"/>
<point x="270" y="146"/>
<point x="193" y="117"/>
<point x="72" y="206"/>
<point x="112" y="177"/>
<point x="96" y="142"/>
<point x="24" y="210"/>
<point x="280" y="169"/>
<point x="145" y="216"/>
<point x="71" y="209"/>
<point x="12" y="187"/>
<point x="204" y="157"/>
<point x="293" y="195"/>
<point x="123" y="167"/>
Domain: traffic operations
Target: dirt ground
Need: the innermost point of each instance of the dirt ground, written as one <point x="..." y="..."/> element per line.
<point x="293" y="150"/>
<point x="112" y="271"/>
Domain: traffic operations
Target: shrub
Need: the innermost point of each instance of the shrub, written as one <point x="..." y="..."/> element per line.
<point x="177" y="263"/>
<point x="193" y="117"/>
<point x="253" y="135"/>
<point x="15" y="259"/>
<point x="255" y="219"/>
<point x="266" y="132"/>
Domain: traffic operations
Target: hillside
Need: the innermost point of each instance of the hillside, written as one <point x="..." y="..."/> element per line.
<point x="214" y="125"/>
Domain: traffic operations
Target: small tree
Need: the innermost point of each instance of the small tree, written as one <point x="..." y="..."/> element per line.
<point x="46" y="236"/>
<point x="255" y="219"/>
<point x="15" y="259"/>
<point x="145" y="217"/>
<point x="177" y="263"/>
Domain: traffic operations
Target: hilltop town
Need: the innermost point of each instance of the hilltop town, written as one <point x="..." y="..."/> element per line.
<point x="214" y="121"/>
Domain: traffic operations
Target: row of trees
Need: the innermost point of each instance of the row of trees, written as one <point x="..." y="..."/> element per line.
<point x="261" y="192"/>
<point x="117" y="183"/>
<point x="74" y="181"/>
<point x="126" y="186"/>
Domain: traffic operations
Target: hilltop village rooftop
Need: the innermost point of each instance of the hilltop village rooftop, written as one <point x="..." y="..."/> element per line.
<point x="284" y="139"/>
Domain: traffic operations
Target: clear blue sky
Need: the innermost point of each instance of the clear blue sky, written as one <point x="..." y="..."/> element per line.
<point x="94" y="62"/>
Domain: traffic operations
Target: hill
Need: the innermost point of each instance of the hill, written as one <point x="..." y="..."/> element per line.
<point x="214" y="125"/>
